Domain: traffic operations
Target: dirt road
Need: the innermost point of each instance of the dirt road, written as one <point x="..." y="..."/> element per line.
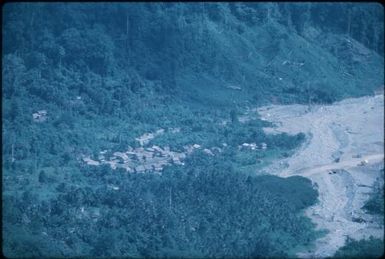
<point x="347" y="164"/>
<point x="340" y="131"/>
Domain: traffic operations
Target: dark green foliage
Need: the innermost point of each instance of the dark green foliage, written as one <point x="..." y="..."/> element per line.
<point x="233" y="116"/>
<point x="108" y="72"/>
<point x="370" y="248"/>
<point x="283" y="52"/>
<point x="300" y="198"/>
<point x="43" y="177"/>
<point x="375" y="204"/>
<point x="211" y="212"/>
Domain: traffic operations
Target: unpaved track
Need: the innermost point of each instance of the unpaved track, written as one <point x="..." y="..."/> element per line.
<point x="344" y="129"/>
<point x="347" y="164"/>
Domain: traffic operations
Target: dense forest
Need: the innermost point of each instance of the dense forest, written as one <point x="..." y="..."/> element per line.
<point x="80" y="78"/>
<point x="371" y="248"/>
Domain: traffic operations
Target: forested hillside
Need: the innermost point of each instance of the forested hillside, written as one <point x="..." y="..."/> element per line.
<point x="85" y="79"/>
<point x="294" y="52"/>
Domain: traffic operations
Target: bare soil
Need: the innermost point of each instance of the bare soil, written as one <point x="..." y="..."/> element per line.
<point x="339" y="137"/>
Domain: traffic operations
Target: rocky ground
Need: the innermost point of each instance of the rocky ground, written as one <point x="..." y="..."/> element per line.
<point x="340" y="137"/>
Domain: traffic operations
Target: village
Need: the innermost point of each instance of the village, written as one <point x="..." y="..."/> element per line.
<point x="154" y="158"/>
<point x="141" y="159"/>
<point x="145" y="158"/>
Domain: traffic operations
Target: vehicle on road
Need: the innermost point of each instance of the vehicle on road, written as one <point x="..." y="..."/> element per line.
<point x="363" y="162"/>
